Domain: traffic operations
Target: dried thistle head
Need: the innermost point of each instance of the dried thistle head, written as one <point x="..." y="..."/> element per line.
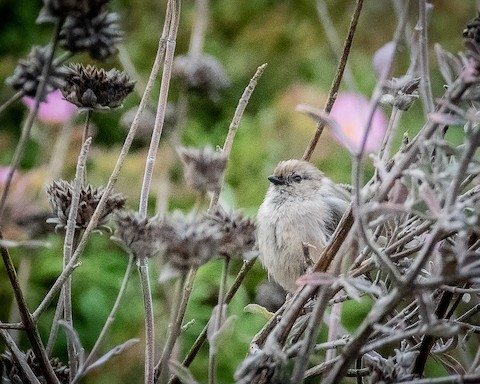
<point x="11" y="372"/>
<point x="203" y="75"/>
<point x="237" y="232"/>
<point x="137" y="234"/>
<point x="60" y="198"/>
<point x="95" y="88"/>
<point x="27" y="74"/>
<point x="203" y="168"/>
<point x="188" y="241"/>
<point x="98" y="35"/>
<point x="55" y="9"/>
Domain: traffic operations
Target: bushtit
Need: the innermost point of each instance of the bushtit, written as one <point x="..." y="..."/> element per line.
<point x="301" y="209"/>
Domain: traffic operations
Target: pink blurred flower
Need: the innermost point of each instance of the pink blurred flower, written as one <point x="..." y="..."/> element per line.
<point x="351" y="111"/>
<point x="55" y="110"/>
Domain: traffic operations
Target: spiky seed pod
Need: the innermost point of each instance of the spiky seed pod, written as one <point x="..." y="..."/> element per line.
<point x="203" y="168"/>
<point x="204" y="75"/>
<point x="188" y="241"/>
<point x="60" y="9"/>
<point x="27" y="74"/>
<point x="60" y="198"/>
<point x="94" y="88"/>
<point x="237" y="232"/>
<point x="12" y="373"/>
<point x="137" y="235"/>
<point x="98" y="35"/>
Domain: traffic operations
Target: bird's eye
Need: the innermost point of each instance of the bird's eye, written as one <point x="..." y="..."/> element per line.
<point x="297" y="178"/>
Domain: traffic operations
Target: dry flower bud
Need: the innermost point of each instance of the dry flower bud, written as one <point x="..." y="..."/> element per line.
<point x="60" y="195"/>
<point x="203" y="168"/>
<point x="54" y="9"/>
<point x="27" y="74"/>
<point x="94" y="88"/>
<point x="204" y="75"/>
<point x="97" y="35"/>
<point x="137" y="234"/>
<point x="189" y="241"/>
<point x="237" y="232"/>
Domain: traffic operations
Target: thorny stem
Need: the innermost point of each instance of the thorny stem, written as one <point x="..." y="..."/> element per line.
<point x="111" y="182"/>
<point x="220" y="315"/>
<point x="110" y="319"/>
<point x="28" y="320"/>
<point x="232" y="129"/>
<point x="332" y="94"/>
<point x="174" y="13"/>
<point x="18" y="356"/>
<point x="178" y="313"/>
<point x="27" y="127"/>
<point x="149" y="323"/>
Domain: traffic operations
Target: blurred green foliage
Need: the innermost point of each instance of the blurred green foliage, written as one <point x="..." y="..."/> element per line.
<point x="242" y="35"/>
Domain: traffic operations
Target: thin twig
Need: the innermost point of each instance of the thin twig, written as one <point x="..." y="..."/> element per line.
<point x="19" y="357"/>
<point x="27" y="127"/>
<point x="425" y="83"/>
<point x="174" y="17"/>
<point x="220" y="315"/>
<point x="232" y="129"/>
<point x="149" y="323"/>
<point x="178" y="313"/>
<point x="17" y="96"/>
<point x="108" y="322"/>
<point x="332" y="94"/>
<point x="246" y="267"/>
<point x="28" y="320"/>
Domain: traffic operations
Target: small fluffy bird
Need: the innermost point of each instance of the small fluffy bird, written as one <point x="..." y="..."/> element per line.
<point x="302" y="207"/>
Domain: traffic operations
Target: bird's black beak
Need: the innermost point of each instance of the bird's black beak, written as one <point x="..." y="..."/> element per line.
<point x="276" y="180"/>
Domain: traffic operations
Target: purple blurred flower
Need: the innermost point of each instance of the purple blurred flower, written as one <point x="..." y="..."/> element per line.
<point x="55" y="110"/>
<point x="351" y="112"/>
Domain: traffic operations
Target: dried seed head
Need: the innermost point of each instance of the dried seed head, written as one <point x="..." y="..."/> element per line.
<point x="97" y="35"/>
<point x="94" y="88"/>
<point x="137" y="234"/>
<point x="189" y="241"/>
<point x="54" y="9"/>
<point x="237" y="232"/>
<point x="12" y="373"/>
<point x="27" y="74"/>
<point x="203" y="168"/>
<point x="203" y="75"/>
<point x="60" y="198"/>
